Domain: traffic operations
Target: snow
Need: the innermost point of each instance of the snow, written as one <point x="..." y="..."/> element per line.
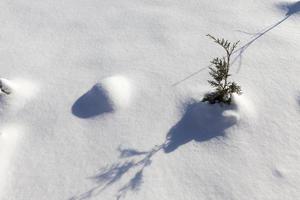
<point x="16" y="93"/>
<point x="6" y="87"/>
<point x="109" y="95"/>
<point x="105" y="100"/>
<point x="8" y="141"/>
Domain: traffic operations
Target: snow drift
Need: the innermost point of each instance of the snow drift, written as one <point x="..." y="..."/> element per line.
<point x="18" y="93"/>
<point x="106" y="96"/>
<point x="9" y="136"/>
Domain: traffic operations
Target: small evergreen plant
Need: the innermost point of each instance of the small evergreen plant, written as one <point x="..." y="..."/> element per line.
<point x="220" y="74"/>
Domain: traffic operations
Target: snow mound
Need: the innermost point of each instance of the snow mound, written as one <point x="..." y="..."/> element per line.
<point x="9" y="136"/>
<point x="244" y="106"/>
<point x="108" y="95"/>
<point x="119" y="90"/>
<point x="16" y="93"/>
<point x="202" y="122"/>
<point x="24" y="88"/>
<point x="5" y="86"/>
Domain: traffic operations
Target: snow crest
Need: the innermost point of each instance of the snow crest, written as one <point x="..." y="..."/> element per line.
<point x="118" y="89"/>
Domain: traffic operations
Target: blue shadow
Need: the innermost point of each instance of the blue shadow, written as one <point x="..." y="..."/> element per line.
<point x="93" y="103"/>
<point x="200" y="122"/>
<point x="290" y="9"/>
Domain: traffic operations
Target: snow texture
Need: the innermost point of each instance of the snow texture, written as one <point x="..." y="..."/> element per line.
<point x="106" y="96"/>
<point x="105" y="100"/>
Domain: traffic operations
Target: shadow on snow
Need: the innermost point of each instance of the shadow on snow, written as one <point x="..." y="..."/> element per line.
<point x="200" y="122"/>
<point x="290" y="9"/>
<point x="113" y="173"/>
<point x="93" y="103"/>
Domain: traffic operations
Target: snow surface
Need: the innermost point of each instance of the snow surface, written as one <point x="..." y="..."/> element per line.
<point x="105" y="100"/>
<point x="19" y="93"/>
<point x="110" y="94"/>
<point x="8" y="141"/>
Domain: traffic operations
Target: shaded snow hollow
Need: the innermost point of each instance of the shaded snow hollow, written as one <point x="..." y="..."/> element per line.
<point x="108" y="95"/>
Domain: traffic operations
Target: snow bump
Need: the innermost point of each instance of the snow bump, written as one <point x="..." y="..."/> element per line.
<point x="14" y="94"/>
<point x="9" y="136"/>
<point x="108" y="95"/>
